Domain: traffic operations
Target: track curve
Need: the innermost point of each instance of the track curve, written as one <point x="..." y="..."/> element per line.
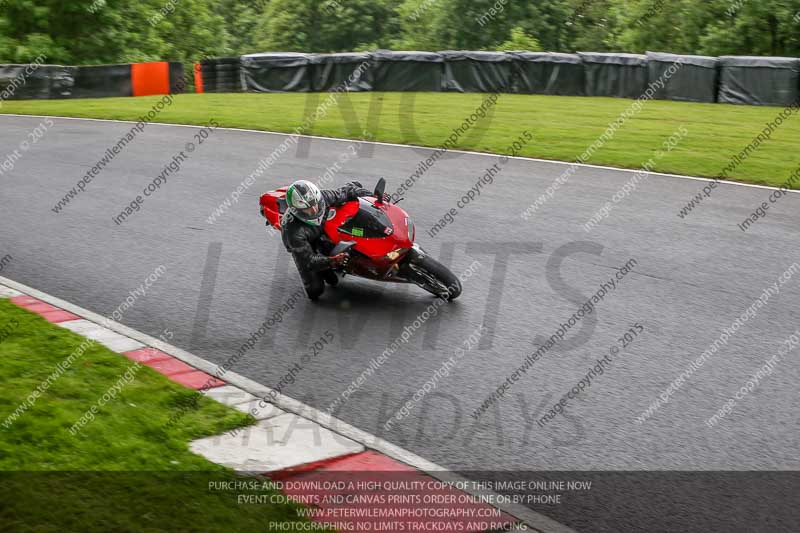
<point x="692" y="278"/>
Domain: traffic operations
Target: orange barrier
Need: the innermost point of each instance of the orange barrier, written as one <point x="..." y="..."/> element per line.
<point x="150" y="78"/>
<point x="198" y="78"/>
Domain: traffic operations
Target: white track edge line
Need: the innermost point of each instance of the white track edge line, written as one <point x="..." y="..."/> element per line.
<point x="418" y="147"/>
<point x="536" y="520"/>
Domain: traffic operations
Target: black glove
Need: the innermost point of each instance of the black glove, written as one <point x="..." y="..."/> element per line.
<point x="357" y="189"/>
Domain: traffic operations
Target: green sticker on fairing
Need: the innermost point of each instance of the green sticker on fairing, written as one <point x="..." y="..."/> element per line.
<point x="357" y="232"/>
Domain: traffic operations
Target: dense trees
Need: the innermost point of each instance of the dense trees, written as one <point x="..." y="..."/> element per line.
<point x="105" y="31"/>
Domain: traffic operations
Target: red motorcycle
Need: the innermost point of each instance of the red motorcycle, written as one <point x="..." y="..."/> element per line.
<point x="378" y="238"/>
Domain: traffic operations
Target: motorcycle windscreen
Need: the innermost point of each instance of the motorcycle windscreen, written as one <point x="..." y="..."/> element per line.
<point x="369" y="222"/>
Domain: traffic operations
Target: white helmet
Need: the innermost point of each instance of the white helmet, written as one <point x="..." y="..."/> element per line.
<point x="306" y="202"/>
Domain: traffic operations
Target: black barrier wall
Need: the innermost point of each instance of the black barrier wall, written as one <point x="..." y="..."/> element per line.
<point x="102" y="81"/>
<point x="730" y="79"/>
<point x="35" y="82"/>
<point x="620" y="75"/>
<point x="347" y="71"/>
<point x="407" y="71"/>
<point x="548" y="73"/>
<point x="695" y="81"/>
<point x="759" y="80"/>
<point x="481" y="72"/>
<point x="221" y="75"/>
<point x="177" y="78"/>
<point x="276" y="72"/>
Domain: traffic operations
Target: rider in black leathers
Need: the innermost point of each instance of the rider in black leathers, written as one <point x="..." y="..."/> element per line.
<point x="303" y="235"/>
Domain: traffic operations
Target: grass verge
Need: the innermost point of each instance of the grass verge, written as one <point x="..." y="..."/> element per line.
<point x="563" y="126"/>
<point x="125" y="471"/>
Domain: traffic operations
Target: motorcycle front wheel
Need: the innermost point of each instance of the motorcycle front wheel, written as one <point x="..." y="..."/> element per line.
<point x="433" y="276"/>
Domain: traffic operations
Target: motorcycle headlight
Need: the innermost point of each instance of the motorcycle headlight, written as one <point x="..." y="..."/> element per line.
<point x="395" y="254"/>
<point x="412" y="231"/>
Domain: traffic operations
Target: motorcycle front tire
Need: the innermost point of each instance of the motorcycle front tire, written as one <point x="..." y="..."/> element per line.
<point x="433" y="276"/>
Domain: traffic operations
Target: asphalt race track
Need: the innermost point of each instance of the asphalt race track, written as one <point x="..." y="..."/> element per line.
<point x="692" y="278"/>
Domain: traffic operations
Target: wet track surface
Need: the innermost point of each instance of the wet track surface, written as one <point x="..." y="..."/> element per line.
<point x="692" y="278"/>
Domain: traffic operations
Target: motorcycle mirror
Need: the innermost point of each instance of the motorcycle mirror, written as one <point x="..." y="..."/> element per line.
<point x="379" y="189"/>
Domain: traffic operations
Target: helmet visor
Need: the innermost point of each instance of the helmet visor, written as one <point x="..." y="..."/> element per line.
<point x="312" y="215"/>
<point x="310" y="212"/>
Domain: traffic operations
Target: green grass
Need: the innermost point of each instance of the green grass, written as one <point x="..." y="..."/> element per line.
<point x="563" y="126"/>
<point x="125" y="471"/>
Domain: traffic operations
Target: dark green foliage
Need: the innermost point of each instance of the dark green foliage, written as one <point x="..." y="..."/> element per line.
<point x="109" y="31"/>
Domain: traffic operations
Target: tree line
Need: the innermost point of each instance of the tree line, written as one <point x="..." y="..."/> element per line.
<point x="110" y="31"/>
